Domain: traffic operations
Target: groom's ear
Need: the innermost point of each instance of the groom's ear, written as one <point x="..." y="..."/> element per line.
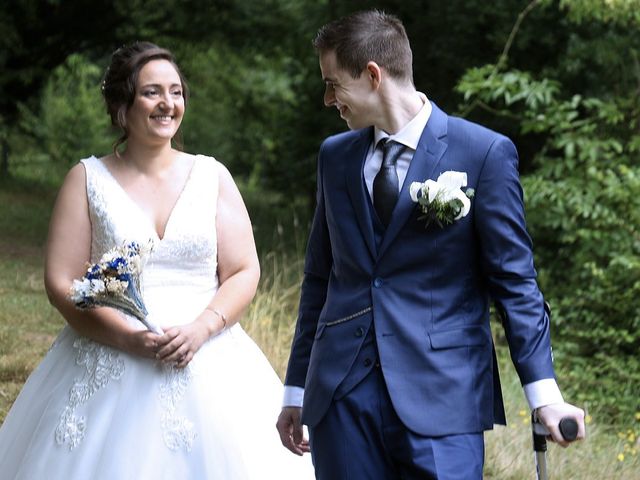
<point x="374" y="73"/>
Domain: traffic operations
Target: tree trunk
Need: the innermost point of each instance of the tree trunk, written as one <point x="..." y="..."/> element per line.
<point x="333" y="10"/>
<point x="4" y="159"/>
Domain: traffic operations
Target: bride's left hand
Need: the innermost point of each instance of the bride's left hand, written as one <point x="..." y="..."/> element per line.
<point x="179" y="344"/>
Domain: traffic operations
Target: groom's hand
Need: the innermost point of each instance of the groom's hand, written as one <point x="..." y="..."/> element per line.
<point x="290" y="429"/>
<point x="551" y="415"/>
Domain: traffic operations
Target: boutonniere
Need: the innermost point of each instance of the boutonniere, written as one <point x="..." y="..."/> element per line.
<point x="443" y="201"/>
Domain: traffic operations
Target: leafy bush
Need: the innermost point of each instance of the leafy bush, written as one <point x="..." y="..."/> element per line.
<point x="244" y="112"/>
<point x="70" y="122"/>
<point x="583" y="211"/>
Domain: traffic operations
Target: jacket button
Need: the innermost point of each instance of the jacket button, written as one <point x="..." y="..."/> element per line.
<point x="377" y="282"/>
<point x="367" y="362"/>
<point x="359" y="332"/>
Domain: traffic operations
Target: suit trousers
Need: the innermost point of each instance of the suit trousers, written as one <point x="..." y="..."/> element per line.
<point x="362" y="438"/>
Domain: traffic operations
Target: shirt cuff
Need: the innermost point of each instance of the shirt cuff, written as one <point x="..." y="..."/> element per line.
<point x="292" y="396"/>
<point x="542" y="392"/>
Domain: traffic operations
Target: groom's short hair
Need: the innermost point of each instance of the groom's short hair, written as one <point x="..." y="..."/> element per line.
<point x="370" y="35"/>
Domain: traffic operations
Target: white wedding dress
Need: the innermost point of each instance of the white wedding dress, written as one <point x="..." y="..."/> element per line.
<point x="91" y="412"/>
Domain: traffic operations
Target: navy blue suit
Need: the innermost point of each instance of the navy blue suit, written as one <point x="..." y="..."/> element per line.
<point x="421" y="294"/>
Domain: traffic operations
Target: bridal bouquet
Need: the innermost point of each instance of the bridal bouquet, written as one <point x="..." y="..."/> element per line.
<point x="443" y="201"/>
<point x="115" y="282"/>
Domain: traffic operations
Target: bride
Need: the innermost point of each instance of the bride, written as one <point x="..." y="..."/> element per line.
<point x="111" y="399"/>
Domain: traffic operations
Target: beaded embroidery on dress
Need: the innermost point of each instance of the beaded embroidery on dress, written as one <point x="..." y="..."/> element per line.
<point x="89" y="411"/>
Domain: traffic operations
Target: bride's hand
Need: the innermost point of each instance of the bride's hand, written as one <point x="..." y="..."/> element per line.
<point x="142" y="343"/>
<point x="179" y="344"/>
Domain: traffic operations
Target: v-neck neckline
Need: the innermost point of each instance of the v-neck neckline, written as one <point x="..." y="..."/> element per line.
<point x="150" y="221"/>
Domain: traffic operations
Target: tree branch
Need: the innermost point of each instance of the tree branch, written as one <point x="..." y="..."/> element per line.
<point x="516" y="26"/>
<point x="502" y="59"/>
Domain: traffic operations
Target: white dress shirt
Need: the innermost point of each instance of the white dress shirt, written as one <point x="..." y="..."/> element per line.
<point x="539" y="393"/>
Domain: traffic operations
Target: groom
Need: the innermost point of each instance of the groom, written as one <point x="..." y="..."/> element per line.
<point x="392" y="350"/>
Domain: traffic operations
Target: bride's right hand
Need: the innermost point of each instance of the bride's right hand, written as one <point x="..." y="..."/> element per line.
<point x="143" y="343"/>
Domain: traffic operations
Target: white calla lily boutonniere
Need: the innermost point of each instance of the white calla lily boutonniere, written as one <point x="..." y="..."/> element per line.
<point x="443" y="201"/>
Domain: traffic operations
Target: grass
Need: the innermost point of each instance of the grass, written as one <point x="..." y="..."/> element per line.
<point x="28" y="325"/>
<point x="509" y="454"/>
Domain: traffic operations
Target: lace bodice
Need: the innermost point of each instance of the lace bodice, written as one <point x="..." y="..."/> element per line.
<point x="179" y="278"/>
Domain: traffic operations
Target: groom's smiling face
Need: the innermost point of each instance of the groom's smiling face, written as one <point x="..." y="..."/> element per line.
<point x="355" y="98"/>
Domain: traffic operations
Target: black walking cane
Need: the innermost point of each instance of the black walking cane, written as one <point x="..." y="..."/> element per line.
<point x="568" y="426"/>
<point x="568" y="430"/>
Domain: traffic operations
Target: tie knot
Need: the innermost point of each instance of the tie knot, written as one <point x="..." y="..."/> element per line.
<point x="391" y="150"/>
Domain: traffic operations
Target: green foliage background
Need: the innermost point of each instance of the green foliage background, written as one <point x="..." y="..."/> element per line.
<point x="582" y="194"/>
<point x="562" y="78"/>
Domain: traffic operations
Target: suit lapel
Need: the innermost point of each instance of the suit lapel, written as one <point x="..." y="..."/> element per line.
<point x="356" y="155"/>
<point x="431" y="148"/>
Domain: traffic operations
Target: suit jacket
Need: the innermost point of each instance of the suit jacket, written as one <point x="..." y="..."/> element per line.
<point x="424" y="292"/>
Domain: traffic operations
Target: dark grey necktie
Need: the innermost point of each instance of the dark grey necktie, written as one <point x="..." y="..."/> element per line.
<point x="385" y="184"/>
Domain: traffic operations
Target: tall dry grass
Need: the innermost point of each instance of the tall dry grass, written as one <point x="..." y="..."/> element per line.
<point x="271" y="317"/>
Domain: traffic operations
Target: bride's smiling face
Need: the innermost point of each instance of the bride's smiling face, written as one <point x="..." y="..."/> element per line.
<point x="158" y="105"/>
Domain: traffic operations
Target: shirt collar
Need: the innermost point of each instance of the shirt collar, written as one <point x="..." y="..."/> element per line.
<point x="410" y="134"/>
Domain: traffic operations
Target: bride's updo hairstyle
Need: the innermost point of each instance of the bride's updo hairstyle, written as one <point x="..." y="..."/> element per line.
<point x="121" y="77"/>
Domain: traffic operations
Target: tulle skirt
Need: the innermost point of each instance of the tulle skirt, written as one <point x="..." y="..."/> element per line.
<point x="92" y="412"/>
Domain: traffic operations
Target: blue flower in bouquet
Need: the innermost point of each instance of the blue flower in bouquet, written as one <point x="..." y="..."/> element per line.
<point x="115" y="282"/>
<point x="93" y="273"/>
<point x="120" y="264"/>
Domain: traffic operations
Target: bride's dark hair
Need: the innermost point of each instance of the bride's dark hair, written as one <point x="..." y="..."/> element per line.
<point x="119" y="84"/>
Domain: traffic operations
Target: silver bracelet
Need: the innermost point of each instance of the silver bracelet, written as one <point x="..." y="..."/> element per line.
<point x="222" y="317"/>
